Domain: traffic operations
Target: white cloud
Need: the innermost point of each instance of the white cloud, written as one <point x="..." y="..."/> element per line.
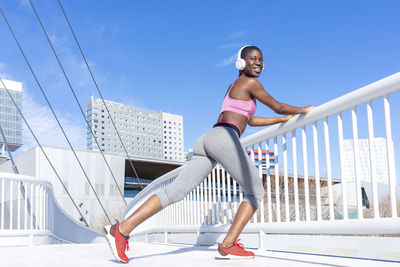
<point x="46" y="129"/>
<point x="227" y="61"/>
<point x="3" y="74"/>
<point x="24" y="3"/>
<point x="231" y="45"/>
<point x="237" y="34"/>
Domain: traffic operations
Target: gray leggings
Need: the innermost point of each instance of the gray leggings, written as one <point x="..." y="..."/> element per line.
<point x="222" y="145"/>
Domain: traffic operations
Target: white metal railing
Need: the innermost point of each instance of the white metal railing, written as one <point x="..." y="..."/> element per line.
<point x="24" y="203"/>
<point x="304" y="197"/>
<point x="28" y="208"/>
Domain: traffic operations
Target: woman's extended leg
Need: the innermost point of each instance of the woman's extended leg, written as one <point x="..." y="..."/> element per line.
<point x="225" y="147"/>
<point x="192" y="174"/>
<point x="242" y="217"/>
<point x="150" y="207"/>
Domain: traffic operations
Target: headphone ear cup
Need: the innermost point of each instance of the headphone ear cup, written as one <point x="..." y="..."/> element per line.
<point x="240" y="64"/>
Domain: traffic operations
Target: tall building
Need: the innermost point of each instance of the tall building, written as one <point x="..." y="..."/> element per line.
<point x="381" y="168"/>
<point x="10" y="120"/>
<point x="145" y="133"/>
<point x="263" y="160"/>
<point x="172" y="141"/>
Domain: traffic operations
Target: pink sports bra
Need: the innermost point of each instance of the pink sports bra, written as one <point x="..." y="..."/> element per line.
<point x="244" y="107"/>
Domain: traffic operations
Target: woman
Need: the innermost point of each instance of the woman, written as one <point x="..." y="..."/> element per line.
<point x="220" y="145"/>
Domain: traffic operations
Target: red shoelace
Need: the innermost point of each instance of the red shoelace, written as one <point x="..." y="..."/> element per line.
<point x="127" y="244"/>
<point x="240" y="245"/>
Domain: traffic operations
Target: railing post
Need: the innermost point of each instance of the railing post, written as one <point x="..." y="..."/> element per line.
<point x="252" y="157"/>
<point x="214" y="199"/>
<point x="165" y="237"/>
<point x="372" y="161"/>
<point x="261" y="235"/>
<point x="342" y="164"/>
<point x="19" y="206"/>
<point x="229" y="208"/>
<point x="219" y="199"/>
<point x="260" y="173"/>
<point x="277" y="178"/>
<point x="224" y="213"/>
<point x="285" y="177"/>
<point x="316" y="164"/>
<point x="2" y="203"/>
<point x="305" y="166"/>
<point x="357" y="167"/>
<point x="11" y="204"/>
<point x="328" y="169"/>
<point x="295" y="177"/>
<point x="390" y="157"/>
<point x="269" y="190"/>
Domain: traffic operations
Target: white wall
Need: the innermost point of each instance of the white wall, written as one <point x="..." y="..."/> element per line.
<point x="34" y="163"/>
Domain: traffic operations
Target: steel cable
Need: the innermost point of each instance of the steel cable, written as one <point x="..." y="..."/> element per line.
<point x="38" y="83"/>
<point x="37" y="141"/>
<point x="69" y="83"/>
<point x="98" y="90"/>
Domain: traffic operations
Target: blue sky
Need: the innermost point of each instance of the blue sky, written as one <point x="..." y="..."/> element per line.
<point x="178" y="56"/>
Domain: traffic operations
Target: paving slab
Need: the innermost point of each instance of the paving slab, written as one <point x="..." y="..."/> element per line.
<point x="158" y="254"/>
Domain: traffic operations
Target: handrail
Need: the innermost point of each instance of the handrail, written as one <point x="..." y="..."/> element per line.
<point x="53" y="218"/>
<point x="24" y="178"/>
<point x="215" y="200"/>
<point x="367" y="93"/>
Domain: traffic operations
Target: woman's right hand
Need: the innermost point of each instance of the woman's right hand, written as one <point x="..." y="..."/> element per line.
<point x="287" y="117"/>
<point x="307" y="109"/>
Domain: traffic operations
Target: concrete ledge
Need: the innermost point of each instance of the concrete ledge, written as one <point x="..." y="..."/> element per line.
<point x="363" y="247"/>
<point x="15" y="238"/>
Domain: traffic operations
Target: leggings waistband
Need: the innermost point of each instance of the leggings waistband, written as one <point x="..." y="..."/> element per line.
<point x="230" y="125"/>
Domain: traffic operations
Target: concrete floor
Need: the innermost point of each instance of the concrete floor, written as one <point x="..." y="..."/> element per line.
<point x="155" y="254"/>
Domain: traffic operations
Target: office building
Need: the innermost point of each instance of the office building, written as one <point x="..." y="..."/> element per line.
<point x="263" y="160"/>
<point x="10" y="120"/>
<point x="145" y="133"/>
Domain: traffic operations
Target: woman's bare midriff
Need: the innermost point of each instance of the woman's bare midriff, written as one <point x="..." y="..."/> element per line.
<point x="236" y="118"/>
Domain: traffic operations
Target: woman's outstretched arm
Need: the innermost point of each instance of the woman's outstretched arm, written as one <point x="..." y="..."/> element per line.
<point x="257" y="90"/>
<point x="262" y="121"/>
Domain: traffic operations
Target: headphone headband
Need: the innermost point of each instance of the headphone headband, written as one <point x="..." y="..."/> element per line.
<point x="240" y="51"/>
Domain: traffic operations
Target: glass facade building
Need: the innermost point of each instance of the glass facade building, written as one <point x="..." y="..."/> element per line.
<point x="10" y="120"/>
<point x="145" y="133"/>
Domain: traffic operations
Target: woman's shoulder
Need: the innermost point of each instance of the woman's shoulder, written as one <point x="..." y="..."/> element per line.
<point x="248" y="82"/>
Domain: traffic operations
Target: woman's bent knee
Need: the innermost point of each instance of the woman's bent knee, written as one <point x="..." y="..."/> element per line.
<point x="253" y="200"/>
<point x="168" y="199"/>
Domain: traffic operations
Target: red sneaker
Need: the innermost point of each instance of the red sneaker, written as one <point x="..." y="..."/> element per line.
<point x="117" y="242"/>
<point x="237" y="251"/>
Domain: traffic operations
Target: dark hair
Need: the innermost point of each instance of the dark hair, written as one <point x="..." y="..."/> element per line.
<point x="247" y="49"/>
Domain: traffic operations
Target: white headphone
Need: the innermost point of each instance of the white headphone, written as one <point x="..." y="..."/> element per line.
<point x="240" y="63"/>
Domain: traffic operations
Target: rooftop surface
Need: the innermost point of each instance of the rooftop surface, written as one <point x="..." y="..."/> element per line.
<point x="156" y="254"/>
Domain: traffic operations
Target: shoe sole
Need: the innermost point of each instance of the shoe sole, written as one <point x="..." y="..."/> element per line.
<point x="232" y="257"/>
<point x="110" y="240"/>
